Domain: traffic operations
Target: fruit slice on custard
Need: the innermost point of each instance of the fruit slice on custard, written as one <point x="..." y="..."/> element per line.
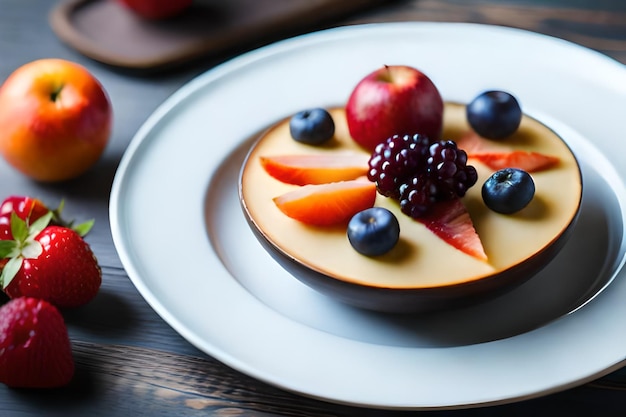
<point x="528" y="161"/>
<point x="497" y="158"/>
<point x="450" y="221"/>
<point x="303" y="169"/>
<point x="327" y="204"/>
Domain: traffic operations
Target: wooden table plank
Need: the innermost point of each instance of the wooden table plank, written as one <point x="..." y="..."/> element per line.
<point x="602" y="30"/>
<point x="131" y="381"/>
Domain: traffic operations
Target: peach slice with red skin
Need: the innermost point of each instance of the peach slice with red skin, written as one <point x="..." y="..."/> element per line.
<point x="479" y="149"/>
<point x="303" y="169"/>
<point x="327" y="204"/>
<point x="528" y="161"/>
<point x="451" y="221"/>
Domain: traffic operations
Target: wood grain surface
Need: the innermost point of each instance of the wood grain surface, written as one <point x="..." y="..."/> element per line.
<point x="129" y="361"/>
<point x="602" y="29"/>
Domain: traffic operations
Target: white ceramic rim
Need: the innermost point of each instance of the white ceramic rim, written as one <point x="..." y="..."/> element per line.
<point x="168" y="168"/>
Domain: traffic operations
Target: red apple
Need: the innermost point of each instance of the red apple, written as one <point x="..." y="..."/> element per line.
<point x="55" y="119"/>
<point x="392" y="100"/>
<point x="156" y="9"/>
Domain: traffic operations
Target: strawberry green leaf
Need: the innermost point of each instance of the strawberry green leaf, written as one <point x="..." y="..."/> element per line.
<point x="59" y="210"/>
<point x="8" y="248"/>
<point x="19" y="229"/>
<point x="39" y="224"/>
<point x="32" y="249"/>
<point x="10" y="270"/>
<point x="83" y="228"/>
<point x="57" y="215"/>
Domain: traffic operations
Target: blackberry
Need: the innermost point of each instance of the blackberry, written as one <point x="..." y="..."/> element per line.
<point x="395" y="161"/>
<point x="418" y="173"/>
<point x="417" y="195"/>
<point x="447" y="165"/>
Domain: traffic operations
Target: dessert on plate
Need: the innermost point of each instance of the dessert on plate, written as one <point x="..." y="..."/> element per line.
<point x="400" y="202"/>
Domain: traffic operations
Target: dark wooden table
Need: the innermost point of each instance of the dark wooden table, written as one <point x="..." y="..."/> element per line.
<point x="129" y="361"/>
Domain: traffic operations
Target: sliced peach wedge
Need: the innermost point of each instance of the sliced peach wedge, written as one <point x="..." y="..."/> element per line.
<point x="497" y="158"/>
<point x="528" y="161"/>
<point x="327" y="204"/>
<point x="303" y="169"/>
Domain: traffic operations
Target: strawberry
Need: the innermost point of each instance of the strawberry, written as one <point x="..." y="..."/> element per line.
<point x="315" y="168"/>
<point x="35" y="349"/>
<point x="26" y="208"/>
<point x="327" y="204"/>
<point x="30" y="209"/>
<point x="53" y="263"/>
<point x="451" y="222"/>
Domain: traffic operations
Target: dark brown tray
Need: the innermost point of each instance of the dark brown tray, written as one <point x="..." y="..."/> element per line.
<point x="107" y="32"/>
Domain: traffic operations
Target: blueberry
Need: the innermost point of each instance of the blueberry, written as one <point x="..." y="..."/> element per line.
<point x="374" y="231"/>
<point x="508" y="190"/>
<point x="494" y="114"/>
<point x="313" y="126"/>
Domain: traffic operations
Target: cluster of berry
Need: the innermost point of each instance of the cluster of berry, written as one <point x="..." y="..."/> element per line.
<point x="418" y="173"/>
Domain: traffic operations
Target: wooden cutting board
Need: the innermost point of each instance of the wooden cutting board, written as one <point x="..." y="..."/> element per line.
<point x="108" y="32"/>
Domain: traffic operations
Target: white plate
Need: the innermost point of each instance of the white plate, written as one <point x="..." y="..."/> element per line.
<point x="207" y="276"/>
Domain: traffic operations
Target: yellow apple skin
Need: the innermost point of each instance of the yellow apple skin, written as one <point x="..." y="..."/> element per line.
<point x="55" y="120"/>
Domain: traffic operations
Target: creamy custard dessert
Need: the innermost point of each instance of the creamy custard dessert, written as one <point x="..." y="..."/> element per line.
<point x="421" y="259"/>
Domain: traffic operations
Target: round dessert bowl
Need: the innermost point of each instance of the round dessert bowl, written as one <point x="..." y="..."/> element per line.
<point x="423" y="273"/>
